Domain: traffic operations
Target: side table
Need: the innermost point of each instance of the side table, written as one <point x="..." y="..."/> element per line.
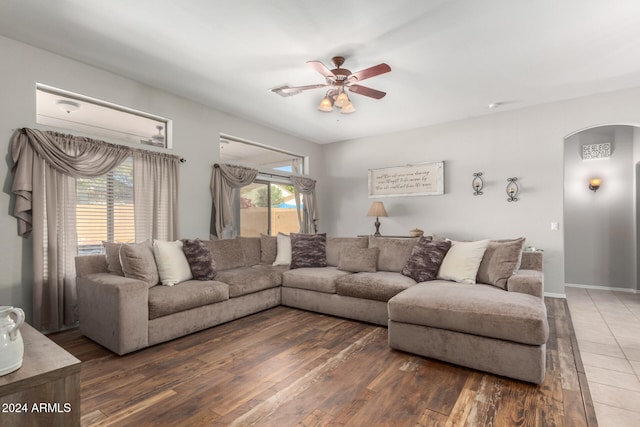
<point x="45" y="391"/>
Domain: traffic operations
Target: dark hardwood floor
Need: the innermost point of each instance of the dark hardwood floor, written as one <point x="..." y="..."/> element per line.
<point x="287" y="367"/>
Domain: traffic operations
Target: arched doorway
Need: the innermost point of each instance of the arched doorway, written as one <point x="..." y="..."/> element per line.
<point x="601" y="226"/>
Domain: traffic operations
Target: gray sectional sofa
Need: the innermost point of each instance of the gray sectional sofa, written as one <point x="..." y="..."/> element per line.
<point x="503" y="331"/>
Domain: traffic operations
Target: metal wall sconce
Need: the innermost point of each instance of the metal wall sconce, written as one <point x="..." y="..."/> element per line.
<point x="477" y="184"/>
<point x="512" y="189"/>
<point x="594" y="184"/>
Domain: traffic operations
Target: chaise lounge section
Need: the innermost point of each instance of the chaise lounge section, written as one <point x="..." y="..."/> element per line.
<point x="474" y="325"/>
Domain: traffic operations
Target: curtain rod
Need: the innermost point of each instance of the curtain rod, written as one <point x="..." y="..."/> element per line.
<point x="216" y="166"/>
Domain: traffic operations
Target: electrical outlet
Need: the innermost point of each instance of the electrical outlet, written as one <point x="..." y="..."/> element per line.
<point x="555" y="226"/>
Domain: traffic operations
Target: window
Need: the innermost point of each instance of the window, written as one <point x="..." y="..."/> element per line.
<point x="267" y="208"/>
<point x="268" y="205"/>
<point x="105" y="209"/>
<point x="68" y="110"/>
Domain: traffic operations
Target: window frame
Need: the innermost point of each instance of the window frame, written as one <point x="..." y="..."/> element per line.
<point x="91" y="128"/>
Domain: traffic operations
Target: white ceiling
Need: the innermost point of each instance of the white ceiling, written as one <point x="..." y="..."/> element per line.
<point x="449" y="59"/>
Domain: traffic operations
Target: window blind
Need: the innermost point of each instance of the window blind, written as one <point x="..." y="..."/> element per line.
<point x="105" y="209"/>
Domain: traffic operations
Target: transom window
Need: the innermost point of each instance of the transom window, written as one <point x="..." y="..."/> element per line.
<point x="67" y="110"/>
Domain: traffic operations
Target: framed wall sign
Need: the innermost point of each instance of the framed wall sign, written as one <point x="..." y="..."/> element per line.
<point x="596" y="151"/>
<point x="423" y="179"/>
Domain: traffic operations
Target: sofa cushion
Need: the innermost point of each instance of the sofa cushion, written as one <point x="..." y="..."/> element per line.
<point x="173" y="266"/>
<point x="139" y="263"/>
<point x="379" y="286"/>
<point x="112" y="253"/>
<point x="314" y="279"/>
<point x="394" y="253"/>
<point x="200" y="259"/>
<point x="165" y="300"/>
<point x="268" y="249"/>
<point x="251" y="250"/>
<point x="283" y="255"/>
<point x="247" y="280"/>
<point x="335" y="246"/>
<point x="359" y="260"/>
<point x="482" y="310"/>
<point x="227" y="253"/>
<point x="308" y="250"/>
<point x="425" y="260"/>
<point x="501" y="259"/>
<point x="462" y="261"/>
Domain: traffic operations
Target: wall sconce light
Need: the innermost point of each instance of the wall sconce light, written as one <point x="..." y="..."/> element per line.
<point x="477" y="184"/>
<point x="594" y="184"/>
<point x="512" y="189"/>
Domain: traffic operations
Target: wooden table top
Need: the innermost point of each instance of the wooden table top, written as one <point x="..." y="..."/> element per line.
<point x="43" y="361"/>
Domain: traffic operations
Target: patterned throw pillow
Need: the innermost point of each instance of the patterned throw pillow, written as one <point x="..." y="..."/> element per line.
<point x="200" y="258"/>
<point x="425" y="260"/>
<point x="308" y="250"/>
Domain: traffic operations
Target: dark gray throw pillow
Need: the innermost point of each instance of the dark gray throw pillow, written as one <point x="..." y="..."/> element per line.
<point x="308" y="250"/>
<point x="200" y="259"/>
<point x="425" y="259"/>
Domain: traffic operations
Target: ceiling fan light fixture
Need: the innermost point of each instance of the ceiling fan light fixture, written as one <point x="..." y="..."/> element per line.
<point x="341" y="100"/>
<point x="348" y="108"/>
<point x="325" y="105"/>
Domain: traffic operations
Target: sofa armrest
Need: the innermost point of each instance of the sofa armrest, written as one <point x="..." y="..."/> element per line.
<point x="114" y="311"/>
<point x="527" y="282"/>
<point x="88" y="264"/>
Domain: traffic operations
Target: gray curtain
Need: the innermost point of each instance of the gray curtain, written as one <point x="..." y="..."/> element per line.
<point x="155" y="195"/>
<point x="45" y="167"/>
<point x="224" y="179"/>
<point x="307" y="216"/>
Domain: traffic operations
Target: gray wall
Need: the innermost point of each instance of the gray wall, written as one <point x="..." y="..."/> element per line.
<point x="526" y="143"/>
<point x="195" y="134"/>
<point x="600" y="236"/>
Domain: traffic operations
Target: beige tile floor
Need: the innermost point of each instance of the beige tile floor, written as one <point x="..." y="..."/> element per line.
<point x="607" y="326"/>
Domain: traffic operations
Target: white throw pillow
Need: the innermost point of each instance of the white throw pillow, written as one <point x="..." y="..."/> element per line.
<point x="283" y="249"/>
<point x="173" y="266"/>
<point x="462" y="261"/>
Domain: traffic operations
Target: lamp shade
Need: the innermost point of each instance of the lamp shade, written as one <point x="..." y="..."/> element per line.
<point x="377" y="209"/>
<point x="348" y="108"/>
<point x="341" y="100"/>
<point x="325" y="104"/>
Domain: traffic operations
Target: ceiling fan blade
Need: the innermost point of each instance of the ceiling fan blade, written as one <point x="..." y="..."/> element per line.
<point x="367" y="91"/>
<point x="322" y="69"/>
<point x="290" y="91"/>
<point x="367" y="73"/>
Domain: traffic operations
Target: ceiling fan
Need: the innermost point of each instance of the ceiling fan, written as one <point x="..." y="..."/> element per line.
<point x="337" y="80"/>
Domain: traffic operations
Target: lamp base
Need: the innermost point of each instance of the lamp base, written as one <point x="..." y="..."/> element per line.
<point x="377" y="224"/>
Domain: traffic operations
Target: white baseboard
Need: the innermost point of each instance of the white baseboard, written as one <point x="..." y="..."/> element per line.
<point x="554" y="295"/>
<point x="602" y="288"/>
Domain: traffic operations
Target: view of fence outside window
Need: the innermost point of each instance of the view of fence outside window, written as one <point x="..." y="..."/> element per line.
<point x="267" y="207"/>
